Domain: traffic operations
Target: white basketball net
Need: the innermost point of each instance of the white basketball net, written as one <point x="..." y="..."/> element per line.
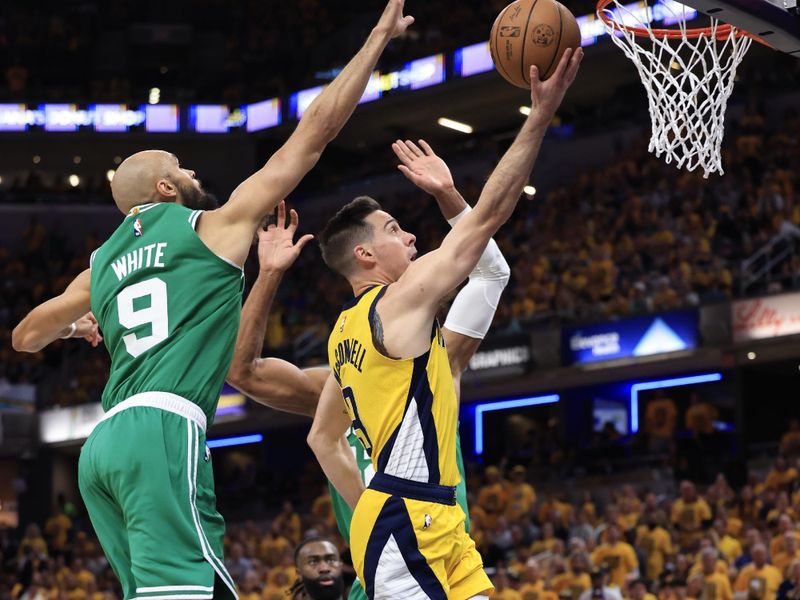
<point x="688" y="80"/>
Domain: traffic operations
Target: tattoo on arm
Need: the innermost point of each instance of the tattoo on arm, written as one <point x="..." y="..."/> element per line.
<point x="377" y="334"/>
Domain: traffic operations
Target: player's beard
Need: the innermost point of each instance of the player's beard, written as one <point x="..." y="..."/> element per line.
<point x="196" y="198"/>
<point x="316" y="591"/>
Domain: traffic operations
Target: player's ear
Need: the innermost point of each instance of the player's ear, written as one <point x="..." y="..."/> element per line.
<point x="364" y="256"/>
<point x="166" y="189"/>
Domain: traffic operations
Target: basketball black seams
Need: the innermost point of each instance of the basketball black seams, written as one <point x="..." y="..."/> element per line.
<point x="525" y="76"/>
<point x="499" y="63"/>
<point x="558" y="45"/>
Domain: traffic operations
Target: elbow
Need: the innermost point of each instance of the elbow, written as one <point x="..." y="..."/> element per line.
<point x="238" y="377"/>
<point x="21" y="340"/>
<point x="318" y="442"/>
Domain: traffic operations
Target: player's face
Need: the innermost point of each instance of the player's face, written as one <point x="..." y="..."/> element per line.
<point x="190" y="191"/>
<point x="320" y="568"/>
<point x="393" y="248"/>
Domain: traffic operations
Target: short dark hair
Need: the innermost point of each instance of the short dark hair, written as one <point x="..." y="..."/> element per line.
<point x="305" y="542"/>
<point x="346" y="229"/>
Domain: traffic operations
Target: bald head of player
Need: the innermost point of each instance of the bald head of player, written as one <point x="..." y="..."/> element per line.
<point x="156" y="176"/>
<point x="366" y="244"/>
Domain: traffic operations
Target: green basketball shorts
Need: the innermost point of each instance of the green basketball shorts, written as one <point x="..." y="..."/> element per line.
<point x="146" y="478"/>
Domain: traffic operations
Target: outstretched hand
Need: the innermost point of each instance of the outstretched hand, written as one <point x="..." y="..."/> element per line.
<point x="392" y="22"/>
<point x="546" y="96"/>
<point x="423" y="167"/>
<point x="277" y="249"/>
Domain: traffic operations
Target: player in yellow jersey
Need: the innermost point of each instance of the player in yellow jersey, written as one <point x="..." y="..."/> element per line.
<point x="389" y="362"/>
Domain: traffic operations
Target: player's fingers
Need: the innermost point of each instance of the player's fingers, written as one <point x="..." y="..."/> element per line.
<point x="534" y="77"/>
<point x="403" y="152"/>
<point x="294" y="220"/>
<point x="408" y="21"/>
<point x="281" y="221"/>
<point x="413" y="147"/>
<point x="563" y="64"/>
<point x="303" y="241"/>
<point x="407" y="172"/>
<point x="399" y="153"/>
<point x="426" y="147"/>
<point x="574" y="65"/>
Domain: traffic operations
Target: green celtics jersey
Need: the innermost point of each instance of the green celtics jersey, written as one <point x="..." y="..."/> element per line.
<point x="342" y="510"/>
<point x="168" y="307"/>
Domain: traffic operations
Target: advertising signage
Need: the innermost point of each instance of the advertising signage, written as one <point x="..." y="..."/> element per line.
<point x="639" y="336"/>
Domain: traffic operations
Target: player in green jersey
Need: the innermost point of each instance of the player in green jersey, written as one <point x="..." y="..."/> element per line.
<point x="282" y="385"/>
<point x="165" y="289"/>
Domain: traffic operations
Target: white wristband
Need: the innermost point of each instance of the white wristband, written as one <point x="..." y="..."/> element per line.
<point x="72" y="329"/>
<point x="452" y="222"/>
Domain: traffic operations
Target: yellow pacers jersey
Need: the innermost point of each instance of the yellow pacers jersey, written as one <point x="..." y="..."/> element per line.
<point x="403" y="411"/>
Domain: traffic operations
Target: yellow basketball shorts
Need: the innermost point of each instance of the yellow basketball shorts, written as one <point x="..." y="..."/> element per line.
<point x="408" y="541"/>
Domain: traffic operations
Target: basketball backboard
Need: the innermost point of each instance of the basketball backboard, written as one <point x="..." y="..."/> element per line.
<point x="774" y="21"/>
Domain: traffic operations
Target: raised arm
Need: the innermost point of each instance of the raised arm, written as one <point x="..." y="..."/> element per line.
<point x="227" y="230"/>
<point x="327" y="440"/>
<point x="406" y="309"/>
<point x="473" y="309"/>
<point x="67" y="315"/>
<point x="270" y="381"/>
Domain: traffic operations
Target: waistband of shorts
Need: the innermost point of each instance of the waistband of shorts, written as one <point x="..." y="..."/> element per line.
<point x="165" y="401"/>
<point x="413" y="490"/>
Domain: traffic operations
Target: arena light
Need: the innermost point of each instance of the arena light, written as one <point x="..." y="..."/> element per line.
<point x="485" y="407"/>
<point x="456" y="125"/>
<point x="110" y="175"/>
<point x="529" y="190"/>
<point x="74" y="180"/>
<point x="525" y="110"/>
<point x="239" y="440"/>
<point x="661" y="384"/>
<point x="154" y="97"/>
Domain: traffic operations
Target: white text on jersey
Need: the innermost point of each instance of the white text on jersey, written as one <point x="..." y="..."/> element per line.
<point x="147" y="256"/>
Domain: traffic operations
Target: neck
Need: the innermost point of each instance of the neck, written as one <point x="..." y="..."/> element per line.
<point x="360" y="284"/>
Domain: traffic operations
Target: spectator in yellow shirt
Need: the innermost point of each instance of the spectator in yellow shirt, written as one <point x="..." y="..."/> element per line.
<point x="782" y="476"/>
<point x="716" y="585"/>
<point x="492" y="497"/>
<point x="533" y="587"/>
<point x="548" y="541"/>
<point x="521" y="495"/>
<point x="289" y="522"/>
<point x="660" y="417"/>
<point x="502" y="587"/>
<point x="576" y="580"/>
<point x="57" y="530"/>
<point x="689" y="514"/>
<point x="700" y="416"/>
<point x="655" y="542"/>
<point x="273" y="546"/>
<point x="789" y="553"/>
<point x="759" y="579"/>
<point x="785" y="525"/>
<point x="616" y="556"/>
<point x="33" y="542"/>
<point x="729" y="546"/>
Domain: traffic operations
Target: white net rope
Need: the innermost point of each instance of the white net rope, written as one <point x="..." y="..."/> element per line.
<point x="688" y="81"/>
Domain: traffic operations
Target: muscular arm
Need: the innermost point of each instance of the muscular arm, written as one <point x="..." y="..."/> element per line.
<point x="473" y="309"/>
<point x="270" y="381"/>
<point x="53" y="319"/>
<point x="227" y="231"/>
<point x="327" y="440"/>
<point x="408" y="306"/>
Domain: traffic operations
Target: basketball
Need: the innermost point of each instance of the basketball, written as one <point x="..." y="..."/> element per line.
<point x="532" y="32"/>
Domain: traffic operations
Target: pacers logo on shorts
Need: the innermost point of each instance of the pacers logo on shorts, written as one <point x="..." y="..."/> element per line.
<point x="428" y="521"/>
